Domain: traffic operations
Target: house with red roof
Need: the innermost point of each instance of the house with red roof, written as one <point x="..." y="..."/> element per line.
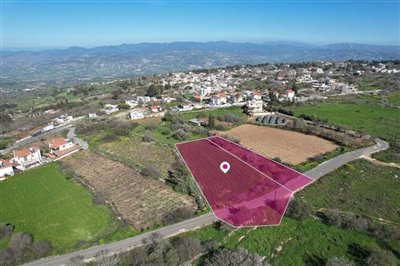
<point x="155" y="108"/>
<point x="219" y="98"/>
<point x="27" y="158"/>
<point x="61" y="147"/>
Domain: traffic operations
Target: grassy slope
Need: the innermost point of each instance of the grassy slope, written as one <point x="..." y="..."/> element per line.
<point x="42" y="202"/>
<point x="302" y="242"/>
<point x="354" y="188"/>
<point x="359" y="187"/>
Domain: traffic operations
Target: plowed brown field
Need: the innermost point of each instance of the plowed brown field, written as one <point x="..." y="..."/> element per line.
<point x="142" y="201"/>
<point x="291" y="147"/>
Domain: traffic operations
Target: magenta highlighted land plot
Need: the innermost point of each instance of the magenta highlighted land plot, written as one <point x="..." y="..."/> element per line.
<point x="255" y="191"/>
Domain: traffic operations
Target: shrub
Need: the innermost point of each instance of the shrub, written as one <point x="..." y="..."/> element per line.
<point x="151" y="127"/>
<point x="299" y="209"/>
<point x="6" y="257"/>
<point x="211" y="121"/>
<point x="200" y="131"/>
<point x="166" y="131"/>
<point x="6" y="230"/>
<point x="123" y="106"/>
<point x="109" y="137"/>
<point x="148" y="137"/>
<point x="180" y="134"/>
<point x="89" y="129"/>
<point x="231" y="118"/>
<point x="178" y="215"/>
<point x="187" y="248"/>
<point x="234" y="257"/>
<point x="42" y="249"/>
<point x="122" y="127"/>
<point x="339" y="261"/>
<point x="219" y="127"/>
<point x="380" y="256"/>
<point x="152" y="171"/>
<point x="284" y="111"/>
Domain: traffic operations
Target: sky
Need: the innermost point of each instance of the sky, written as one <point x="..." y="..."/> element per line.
<point x="61" y="23"/>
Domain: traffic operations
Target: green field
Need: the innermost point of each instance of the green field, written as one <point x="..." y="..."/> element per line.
<point x="292" y="242"/>
<point x="235" y="110"/>
<point x="359" y="187"/>
<point x="366" y="116"/>
<point x="393" y="97"/>
<point x="44" y="203"/>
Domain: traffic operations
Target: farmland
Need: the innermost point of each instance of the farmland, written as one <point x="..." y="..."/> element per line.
<point x="44" y="203"/>
<point x="141" y="201"/>
<point x="139" y="154"/>
<point x="290" y="147"/>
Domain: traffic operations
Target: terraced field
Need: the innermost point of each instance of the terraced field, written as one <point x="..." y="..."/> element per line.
<point x="141" y="201"/>
<point x="291" y="147"/>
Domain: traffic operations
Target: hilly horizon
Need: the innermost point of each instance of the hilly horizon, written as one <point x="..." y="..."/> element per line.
<point x="74" y="64"/>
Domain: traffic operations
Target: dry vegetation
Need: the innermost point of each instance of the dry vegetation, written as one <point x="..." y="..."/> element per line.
<point x="136" y="153"/>
<point x="291" y="147"/>
<point x="141" y="201"/>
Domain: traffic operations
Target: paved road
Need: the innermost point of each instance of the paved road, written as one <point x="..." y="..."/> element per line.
<point x="335" y="163"/>
<point x="71" y="136"/>
<point x="164" y="232"/>
<point x="31" y="139"/>
<point x="206" y="219"/>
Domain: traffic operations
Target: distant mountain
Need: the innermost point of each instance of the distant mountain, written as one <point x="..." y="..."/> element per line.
<point x="77" y="63"/>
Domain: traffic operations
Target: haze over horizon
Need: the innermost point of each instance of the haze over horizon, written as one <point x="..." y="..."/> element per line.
<point x="39" y="25"/>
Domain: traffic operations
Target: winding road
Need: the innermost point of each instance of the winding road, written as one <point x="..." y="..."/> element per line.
<point x="31" y="139"/>
<point x="206" y="219"/>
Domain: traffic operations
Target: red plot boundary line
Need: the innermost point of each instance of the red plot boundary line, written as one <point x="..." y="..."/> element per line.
<point x="205" y="198"/>
<point x="250" y="166"/>
<point x="294" y="191"/>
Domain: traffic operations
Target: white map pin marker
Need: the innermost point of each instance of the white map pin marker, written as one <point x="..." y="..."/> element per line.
<point x="225" y="166"/>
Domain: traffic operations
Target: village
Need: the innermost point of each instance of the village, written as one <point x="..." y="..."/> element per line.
<point x="253" y="88"/>
<point x="224" y="88"/>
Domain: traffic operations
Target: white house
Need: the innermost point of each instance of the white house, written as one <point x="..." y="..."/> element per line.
<point x="136" y="115"/>
<point x="110" y="108"/>
<point x="132" y="103"/>
<point x="143" y="99"/>
<point x="219" y="99"/>
<point x="185" y="108"/>
<point x="61" y="147"/>
<point x="27" y="158"/>
<point x="6" y="169"/>
<point x="256" y="96"/>
<point x="92" y="115"/>
<point x="252" y="107"/>
<point x="287" y="96"/>
<point x="62" y="119"/>
<point x="168" y="99"/>
<point x="290" y="94"/>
